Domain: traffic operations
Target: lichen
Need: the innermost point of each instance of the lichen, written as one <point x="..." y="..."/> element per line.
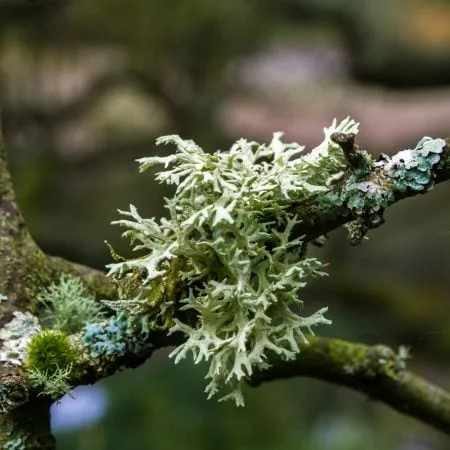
<point x="112" y="339"/>
<point x="230" y="235"/>
<point x="231" y="240"/>
<point x="16" y="335"/>
<point x="69" y="306"/>
<point x="369" y="188"/>
<point x="411" y="170"/>
<point x="15" y="443"/>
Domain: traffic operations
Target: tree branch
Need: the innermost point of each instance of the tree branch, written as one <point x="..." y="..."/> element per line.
<point x="23" y="270"/>
<point x="319" y="218"/>
<point x="376" y="371"/>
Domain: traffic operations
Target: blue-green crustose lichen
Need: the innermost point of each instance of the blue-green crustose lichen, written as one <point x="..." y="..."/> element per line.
<point x="366" y="194"/>
<point x="412" y="170"/>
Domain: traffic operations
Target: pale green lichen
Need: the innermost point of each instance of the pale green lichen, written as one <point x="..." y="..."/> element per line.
<point x="69" y="305"/>
<point x="230" y="230"/>
<point x="54" y="385"/>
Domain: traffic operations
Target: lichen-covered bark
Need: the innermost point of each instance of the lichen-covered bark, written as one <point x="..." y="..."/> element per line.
<point x="27" y="427"/>
<point x="320" y="216"/>
<point x="25" y="269"/>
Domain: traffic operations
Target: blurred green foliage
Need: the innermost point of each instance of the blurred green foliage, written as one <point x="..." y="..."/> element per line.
<point x="86" y="86"/>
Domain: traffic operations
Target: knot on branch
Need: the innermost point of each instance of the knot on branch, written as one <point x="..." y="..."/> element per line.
<point x="364" y="190"/>
<point x="358" y="160"/>
<point x="13" y="388"/>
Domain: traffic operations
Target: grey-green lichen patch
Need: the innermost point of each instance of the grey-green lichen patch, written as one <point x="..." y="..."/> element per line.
<point x="412" y="169"/>
<point x="383" y="360"/>
<point x="366" y="194"/>
<point x="360" y="162"/>
<point x="69" y="305"/>
<point x="15" y="443"/>
<point x="3" y="298"/>
<point x="15" y="336"/>
<point x="365" y="198"/>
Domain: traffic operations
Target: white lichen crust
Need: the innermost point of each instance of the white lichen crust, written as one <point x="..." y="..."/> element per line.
<point x="230" y="226"/>
<point x="16" y="335"/>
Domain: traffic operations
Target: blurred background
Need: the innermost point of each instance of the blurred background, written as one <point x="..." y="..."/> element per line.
<point x="86" y="87"/>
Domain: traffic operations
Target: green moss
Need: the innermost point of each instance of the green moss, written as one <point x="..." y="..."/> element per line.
<point x="50" y="350"/>
<point x="51" y="363"/>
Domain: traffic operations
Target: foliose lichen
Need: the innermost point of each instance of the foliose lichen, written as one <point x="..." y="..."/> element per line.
<point x="369" y="188"/>
<point x="230" y="233"/>
<point x="412" y="169"/>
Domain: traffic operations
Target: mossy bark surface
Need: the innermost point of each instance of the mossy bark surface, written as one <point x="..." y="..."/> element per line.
<point x="27" y="428"/>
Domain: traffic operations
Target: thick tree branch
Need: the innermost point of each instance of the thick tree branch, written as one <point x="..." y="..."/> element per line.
<point x="97" y="282"/>
<point x="376" y="371"/>
<point x="23" y="269"/>
<point x="22" y="264"/>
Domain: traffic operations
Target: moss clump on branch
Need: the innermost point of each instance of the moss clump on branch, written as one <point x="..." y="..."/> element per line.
<point x="51" y="363"/>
